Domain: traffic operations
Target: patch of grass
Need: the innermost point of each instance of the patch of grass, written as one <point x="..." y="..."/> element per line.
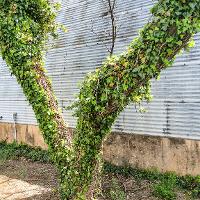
<point x="163" y="191"/>
<point x="191" y="184"/>
<point x="116" y="192"/>
<point x="15" y="150"/>
<point x="165" y="183"/>
<point x="138" y="174"/>
<point x="165" y="188"/>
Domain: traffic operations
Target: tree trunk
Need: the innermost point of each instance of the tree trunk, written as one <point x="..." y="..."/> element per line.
<point x="125" y="79"/>
<point x="104" y="93"/>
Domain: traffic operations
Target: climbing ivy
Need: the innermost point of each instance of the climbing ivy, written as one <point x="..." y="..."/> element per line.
<point x="126" y="78"/>
<point x="25" y="27"/>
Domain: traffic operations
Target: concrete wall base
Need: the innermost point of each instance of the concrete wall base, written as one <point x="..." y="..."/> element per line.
<point x="26" y="133"/>
<point x="165" y="154"/>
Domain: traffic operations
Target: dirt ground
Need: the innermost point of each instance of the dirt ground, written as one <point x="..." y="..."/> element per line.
<point x="115" y="187"/>
<point x="34" y="173"/>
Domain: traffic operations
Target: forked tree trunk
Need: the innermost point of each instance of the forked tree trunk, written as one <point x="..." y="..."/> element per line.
<point x="104" y="93"/>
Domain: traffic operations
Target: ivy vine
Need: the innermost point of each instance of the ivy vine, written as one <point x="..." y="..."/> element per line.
<point x="25" y="26"/>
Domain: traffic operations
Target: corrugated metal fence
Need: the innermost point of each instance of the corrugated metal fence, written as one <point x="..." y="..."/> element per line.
<point x="175" y="110"/>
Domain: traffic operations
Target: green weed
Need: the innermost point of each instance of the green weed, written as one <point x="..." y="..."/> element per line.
<point x="116" y="192"/>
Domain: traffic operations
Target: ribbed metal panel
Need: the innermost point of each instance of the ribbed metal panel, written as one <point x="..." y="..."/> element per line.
<point x="12" y="99"/>
<point x="175" y="110"/>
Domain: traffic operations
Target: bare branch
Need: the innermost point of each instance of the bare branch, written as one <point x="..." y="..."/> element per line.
<point x="114" y="27"/>
<point x="111" y="7"/>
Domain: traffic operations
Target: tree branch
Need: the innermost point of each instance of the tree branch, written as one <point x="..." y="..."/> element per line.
<point x="114" y="27"/>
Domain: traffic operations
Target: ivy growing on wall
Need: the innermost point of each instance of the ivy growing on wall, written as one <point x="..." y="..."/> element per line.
<point x="25" y="26"/>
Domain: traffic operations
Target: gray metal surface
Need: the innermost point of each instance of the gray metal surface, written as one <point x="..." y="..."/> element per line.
<point x="175" y="110"/>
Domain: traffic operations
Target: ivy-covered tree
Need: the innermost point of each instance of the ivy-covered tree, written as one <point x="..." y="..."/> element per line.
<point x="25" y="26"/>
